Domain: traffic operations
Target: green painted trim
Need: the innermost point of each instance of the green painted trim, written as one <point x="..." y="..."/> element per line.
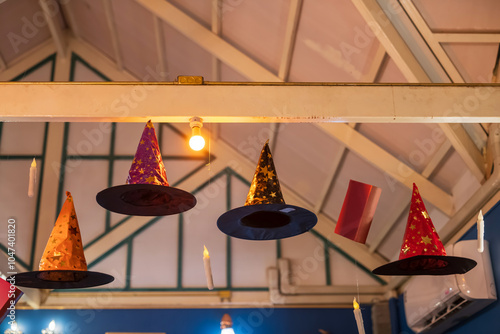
<point x="62" y="172"/>
<point x="239" y="177"/>
<point x="174" y="129"/>
<point x="17" y="258"/>
<point x="51" y="58"/>
<point x="188" y="175"/>
<point x="99" y="237"/>
<point x="206" y="183"/>
<point x="180" y="245"/>
<point x="130" y="250"/>
<point x="124" y="241"/>
<point x="39" y="197"/>
<point x="1" y="131"/>
<point x="250" y="289"/>
<point x="76" y="58"/>
<point x="53" y="70"/>
<point x="278" y="249"/>
<point x="21" y="157"/>
<point x="111" y="164"/>
<point x="228" y="238"/>
<point x="348" y="257"/>
<point x="327" y="264"/>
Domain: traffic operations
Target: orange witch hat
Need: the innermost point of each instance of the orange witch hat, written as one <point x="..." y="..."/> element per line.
<point x="147" y="192"/>
<point x="63" y="264"/>
<point x="422" y="252"/>
<point x="265" y="215"/>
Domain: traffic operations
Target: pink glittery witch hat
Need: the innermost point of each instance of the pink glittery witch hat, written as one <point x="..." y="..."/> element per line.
<point x="147" y="192"/>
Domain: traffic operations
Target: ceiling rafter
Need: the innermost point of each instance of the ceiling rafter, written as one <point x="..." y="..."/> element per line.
<point x="217" y="30"/>
<point x="389" y="37"/>
<point x="28" y="60"/>
<point x="110" y="20"/>
<point x="467" y="37"/>
<point x="435" y="46"/>
<point x="409" y="65"/>
<point x="160" y="45"/>
<point x="209" y="41"/>
<point x="3" y="65"/>
<point x="292" y="25"/>
<point x="55" y="28"/>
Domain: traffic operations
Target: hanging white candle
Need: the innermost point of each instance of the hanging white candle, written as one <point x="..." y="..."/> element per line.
<point x="480" y="232"/>
<point x="32" y="180"/>
<point x="208" y="269"/>
<point x="359" y="317"/>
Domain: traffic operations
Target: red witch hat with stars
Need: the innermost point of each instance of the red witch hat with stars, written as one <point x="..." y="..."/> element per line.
<point x="147" y="192"/>
<point x="422" y="252"/>
<point x="63" y="264"/>
<point x="265" y="215"/>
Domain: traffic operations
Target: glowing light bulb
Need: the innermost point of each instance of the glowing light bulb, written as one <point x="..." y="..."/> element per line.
<point x="52" y="325"/>
<point x="197" y="142"/>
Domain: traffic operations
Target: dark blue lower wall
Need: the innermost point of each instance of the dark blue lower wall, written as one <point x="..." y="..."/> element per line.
<point x="488" y="318"/>
<point x="193" y="321"/>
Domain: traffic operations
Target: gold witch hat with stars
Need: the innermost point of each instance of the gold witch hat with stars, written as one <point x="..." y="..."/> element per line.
<point x="147" y="192"/>
<point x="63" y="264"/>
<point x="422" y="252"/>
<point x="265" y="215"/>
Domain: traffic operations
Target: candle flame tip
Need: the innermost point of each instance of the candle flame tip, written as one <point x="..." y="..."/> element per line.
<point x="355" y="304"/>
<point x="33" y="163"/>
<point x="205" y="252"/>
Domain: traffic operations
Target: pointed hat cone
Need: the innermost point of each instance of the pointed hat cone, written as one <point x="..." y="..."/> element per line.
<point x="63" y="264"/>
<point x="147" y="192"/>
<point x="422" y="252"/>
<point x="265" y="215"/>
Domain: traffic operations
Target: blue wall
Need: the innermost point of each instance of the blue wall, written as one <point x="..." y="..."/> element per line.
<point x="488" y="318"/>
<point x="193" y="321"/>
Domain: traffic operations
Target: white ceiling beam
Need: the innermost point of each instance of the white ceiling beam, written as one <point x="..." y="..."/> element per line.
<point x="209" y="41"/>
<point x="110" y="20"/>
<point x="433" y="164"/>
<point x="389" y="37"/>
<point x="466" y="148"/>
<point x="217" y="30"/>
<point x="28" y="60"/>
<point x="292" y="25"/>
<point x="56" y="32"/>
<point x="435" y="46"/>
<point x="261" y="103"/>
<point x="467" y="38"/>
<point x="160" y="45"/>
<point x="392" y="166"/>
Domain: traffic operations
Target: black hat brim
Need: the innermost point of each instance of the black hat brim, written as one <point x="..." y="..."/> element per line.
<point x="434" y="265"/>
<point x="79" y="279"/>
<point x="145" y="200"/>
<point x="266" y="221"/>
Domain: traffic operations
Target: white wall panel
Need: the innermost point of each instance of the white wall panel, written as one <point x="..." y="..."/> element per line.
<point x="154" y="259"/>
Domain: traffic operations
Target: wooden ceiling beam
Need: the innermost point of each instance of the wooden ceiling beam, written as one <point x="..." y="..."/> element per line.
<point x="292" y="25"/>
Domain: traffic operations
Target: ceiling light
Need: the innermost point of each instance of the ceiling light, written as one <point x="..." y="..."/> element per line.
<point x="196" y="142"/>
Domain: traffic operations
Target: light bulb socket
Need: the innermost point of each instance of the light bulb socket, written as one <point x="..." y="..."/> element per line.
<point x="196" y="122"/>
